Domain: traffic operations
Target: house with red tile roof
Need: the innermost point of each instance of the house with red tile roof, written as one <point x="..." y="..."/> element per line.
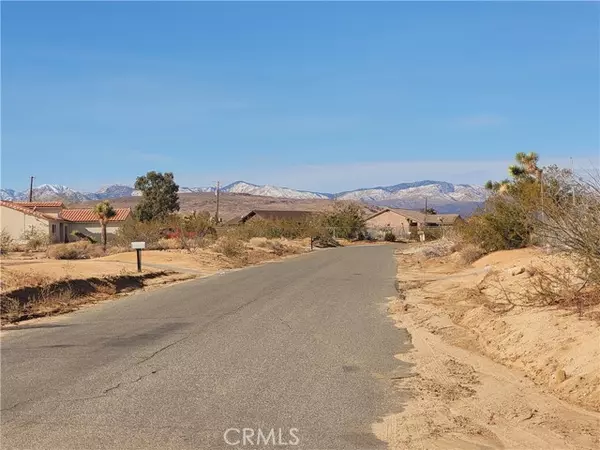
<point x="19" y="218"/>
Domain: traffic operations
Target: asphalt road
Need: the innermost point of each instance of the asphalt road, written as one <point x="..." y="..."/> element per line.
<point x="303" y="344"/>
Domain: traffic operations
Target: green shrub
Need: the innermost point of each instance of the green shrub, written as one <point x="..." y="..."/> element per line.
<point x="345" y="221"/>
<point x="81" y="236"/>
<point x="133" y="230"/>
<point x="389" y="236"/>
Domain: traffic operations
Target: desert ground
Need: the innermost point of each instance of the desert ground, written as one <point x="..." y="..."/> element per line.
<point x="486" y="373"/>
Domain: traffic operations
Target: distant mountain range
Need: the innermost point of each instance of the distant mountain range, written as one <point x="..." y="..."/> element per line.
<point x="446" y="197"/>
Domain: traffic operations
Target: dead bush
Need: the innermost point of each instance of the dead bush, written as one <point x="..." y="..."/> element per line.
<point x="259" y="242"/>
<point x="12" y="279"/>
<point x="75" y="250"/>
<point x="470" y="253"/>
<point x="570" y="220"/>
<point x="436" y="249"/>
<point x="563" y="285"/>
<point x="6" y="242"/>
<point x="273" y="229"/>
<point x="230" y="247"/>
<point x="168" y="244"/>
<point x="35" y="239"/>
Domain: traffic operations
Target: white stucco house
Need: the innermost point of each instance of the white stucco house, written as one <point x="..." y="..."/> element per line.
<point x="53" y="218"/>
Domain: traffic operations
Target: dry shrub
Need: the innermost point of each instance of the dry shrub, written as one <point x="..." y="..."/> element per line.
<point x="114" y="249"/>
<point x="75" y="250"/>
<point x="133" y="230"/>
<point x="470" y="253"/>
<point x="571" y="218"/>
<point x="273" y="229"/>
<point x="436" y="249"/>
<point x="566" y="286"/>
<point x="6" y="242"/>
<point x="13" y="279"/>
<point x="281" y="248"/>
<point x="560" y="285"/>
<point x="35" y="239"/>
<point x="230" y="247"/>
<point x="259" y="242"/>
<point x="168" y="244"/>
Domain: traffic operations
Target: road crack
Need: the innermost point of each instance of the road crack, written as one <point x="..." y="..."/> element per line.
<point x="143" y="360"/>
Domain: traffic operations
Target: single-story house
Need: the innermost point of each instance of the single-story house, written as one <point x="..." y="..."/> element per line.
<point x="270" y="214"/>
<point x="19" y="218"/>
<point x="406" y="222"/>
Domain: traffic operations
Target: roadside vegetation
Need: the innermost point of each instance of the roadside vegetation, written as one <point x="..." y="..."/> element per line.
<point x="549" y="208"/>
<point x="192" y="241"/>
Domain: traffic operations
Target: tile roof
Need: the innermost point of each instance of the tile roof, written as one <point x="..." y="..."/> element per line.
<point x="27" y="211"/>
<point x="89" y="215"/>
<point x="41" y="204"/>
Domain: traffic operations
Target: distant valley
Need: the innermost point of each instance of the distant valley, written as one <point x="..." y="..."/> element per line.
<point x="444" y="196"/>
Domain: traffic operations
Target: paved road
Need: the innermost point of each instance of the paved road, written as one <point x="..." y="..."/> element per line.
<point x="302" y="344"/>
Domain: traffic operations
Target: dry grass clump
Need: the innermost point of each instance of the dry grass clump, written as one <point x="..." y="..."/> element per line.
<point x="436" y="249"/>
<point x="230" y="247"/>
<point x="470" y="253"/>
<point x="74" y="250"/>
<point x="281" y="247"/>
<point x="15" y="279"/>
<point x="260" y="242"/>
<point x="6" y="242"/>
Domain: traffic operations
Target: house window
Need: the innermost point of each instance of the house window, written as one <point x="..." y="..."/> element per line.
<point x="53" y="228"/>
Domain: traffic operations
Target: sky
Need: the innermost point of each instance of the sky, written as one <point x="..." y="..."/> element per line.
<point x="316" y="96"/>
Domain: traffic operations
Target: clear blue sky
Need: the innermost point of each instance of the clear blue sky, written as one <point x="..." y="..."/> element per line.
<point x="320" y="96"/>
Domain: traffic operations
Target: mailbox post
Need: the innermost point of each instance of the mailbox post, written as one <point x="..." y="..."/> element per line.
<point x="138" y="246"/>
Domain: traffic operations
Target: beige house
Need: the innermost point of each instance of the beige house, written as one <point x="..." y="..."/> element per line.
<point x="20" y="218"/>
<point x="406" y="222"/>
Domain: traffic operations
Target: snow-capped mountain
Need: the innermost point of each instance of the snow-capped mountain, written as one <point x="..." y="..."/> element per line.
<point x="444" y="196"/>
<point x="433" y="190"/>
<point x="193" y="190"/>
<point x="242" y="187"/>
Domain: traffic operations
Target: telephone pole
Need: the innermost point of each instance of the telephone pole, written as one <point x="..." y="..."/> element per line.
<point x="31" y="189"/>
<point x="572" y="181"/>
<point x="217" y="193"/>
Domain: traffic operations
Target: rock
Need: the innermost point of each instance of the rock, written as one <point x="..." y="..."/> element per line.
<point x="560" y="376"/>
<point x="517" y="271"/>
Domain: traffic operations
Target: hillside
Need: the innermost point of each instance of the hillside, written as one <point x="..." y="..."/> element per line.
<point x="231" y="205"/>
<point x="443" y="196"/>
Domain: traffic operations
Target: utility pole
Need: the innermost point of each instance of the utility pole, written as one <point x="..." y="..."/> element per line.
<point x="572" y="181"/>
<point x="31" y="189"/>
<point x="217" y="193"/>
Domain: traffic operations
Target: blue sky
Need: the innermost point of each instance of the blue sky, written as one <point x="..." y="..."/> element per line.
<point x="319" y="96"/>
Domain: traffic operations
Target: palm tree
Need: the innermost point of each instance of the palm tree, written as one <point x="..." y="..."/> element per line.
<point x="105" y="212"/>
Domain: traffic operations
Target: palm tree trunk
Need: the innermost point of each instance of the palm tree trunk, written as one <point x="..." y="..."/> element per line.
<point x="104" y="236"/>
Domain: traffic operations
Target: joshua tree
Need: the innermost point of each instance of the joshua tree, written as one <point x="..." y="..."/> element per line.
<point x="526" y="166"/>
<point x="104" y="211"/>
<point x="525" y="169"/>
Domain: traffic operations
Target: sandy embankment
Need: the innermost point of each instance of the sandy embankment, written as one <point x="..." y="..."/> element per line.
<point x="526" y="378"/>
